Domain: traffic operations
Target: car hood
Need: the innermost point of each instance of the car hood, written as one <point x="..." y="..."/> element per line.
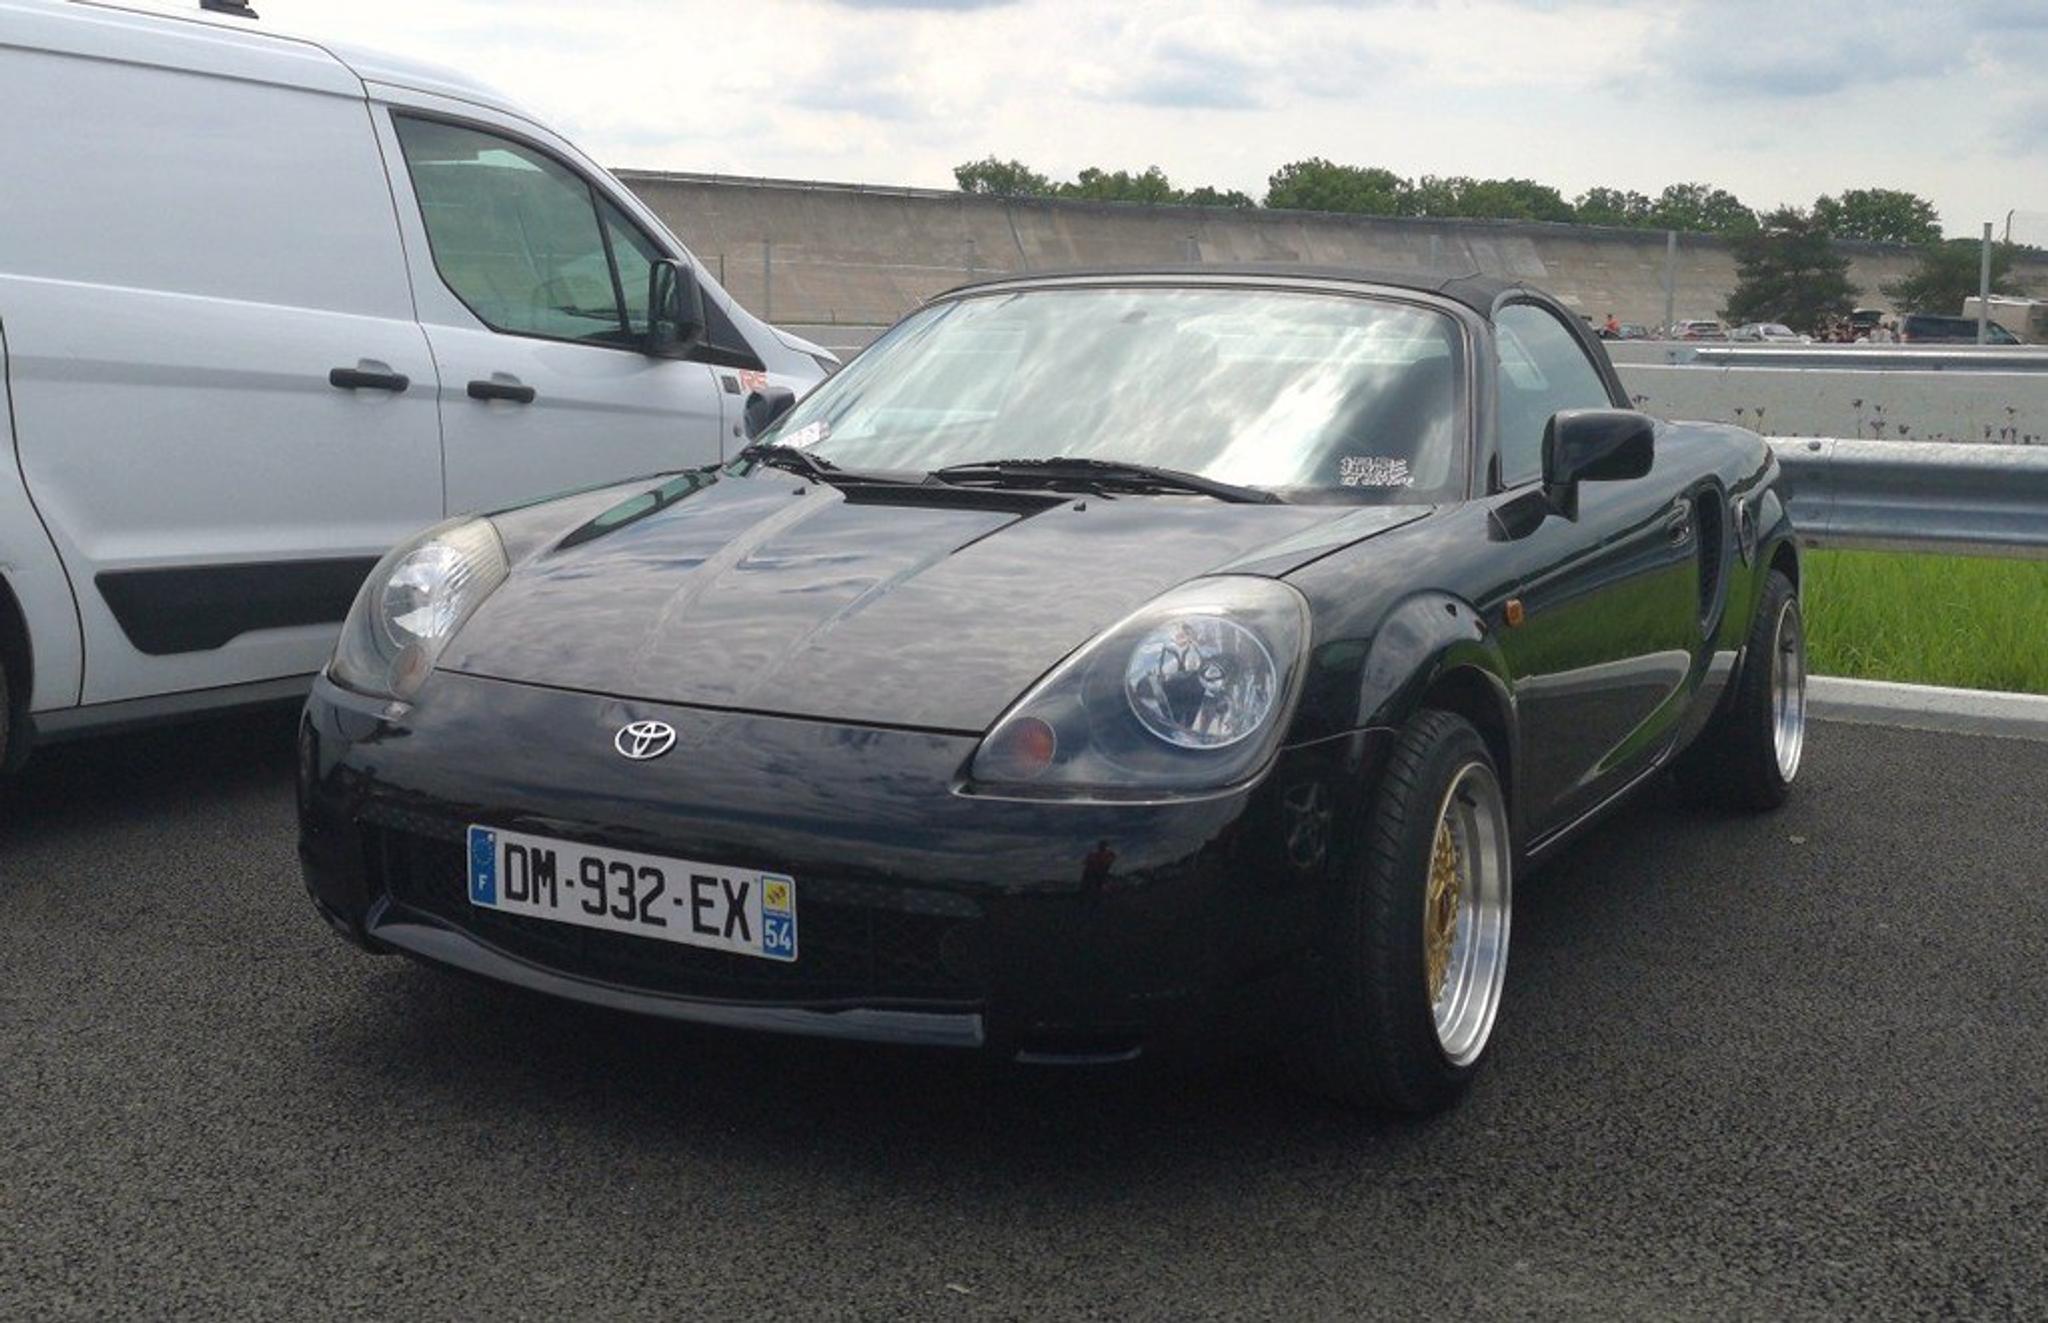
<point x="773" y="594"/>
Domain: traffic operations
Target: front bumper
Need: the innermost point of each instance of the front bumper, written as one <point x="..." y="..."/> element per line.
<point x="1044" y="930"/>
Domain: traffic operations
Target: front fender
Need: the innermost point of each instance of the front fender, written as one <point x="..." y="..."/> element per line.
<point x="1423" y="638"/>
<point x="1435" y="650"/>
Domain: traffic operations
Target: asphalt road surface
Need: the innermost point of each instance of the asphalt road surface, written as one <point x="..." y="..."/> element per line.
<point x="1775" y="1067"/>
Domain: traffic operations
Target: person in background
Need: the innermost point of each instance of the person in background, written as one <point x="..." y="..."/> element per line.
<point x="1612" y="328"/>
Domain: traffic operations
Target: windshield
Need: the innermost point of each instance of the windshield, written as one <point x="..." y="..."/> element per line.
<point x="1320" y="396"/>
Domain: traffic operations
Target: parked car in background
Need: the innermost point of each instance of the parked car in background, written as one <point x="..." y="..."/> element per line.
<point x="1699" y="329"/>
<point x="269" y="305"/>
<point x="1769" y="333"/>
<point x="1923" y="328"/>
<point x="2026" y="318"/>
<point x="1632" y="331"/>
<point x="1098" y="663"/>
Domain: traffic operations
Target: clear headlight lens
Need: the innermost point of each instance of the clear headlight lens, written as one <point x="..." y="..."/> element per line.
<point x="413" y="603"/>
<point x="1187" y="693"/>
<point x="1201" y="682"/>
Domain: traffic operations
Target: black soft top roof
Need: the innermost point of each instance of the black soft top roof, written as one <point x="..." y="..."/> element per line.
<point x="1476" y="292"/>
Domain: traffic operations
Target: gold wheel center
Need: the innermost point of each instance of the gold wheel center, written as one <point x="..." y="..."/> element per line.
<point x="1440" y="910"/>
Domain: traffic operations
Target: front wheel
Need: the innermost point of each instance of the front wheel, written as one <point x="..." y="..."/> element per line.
<point x="1749" y="754"/>
<point x="1421" y="939"/>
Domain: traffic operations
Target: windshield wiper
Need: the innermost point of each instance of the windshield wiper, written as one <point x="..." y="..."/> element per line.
<point x="1100" y="473"/>
<point x="795" y="459"/>
<point x="774" y="455"/>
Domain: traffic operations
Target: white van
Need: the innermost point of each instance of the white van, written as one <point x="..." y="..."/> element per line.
<point x="269" y="304"/>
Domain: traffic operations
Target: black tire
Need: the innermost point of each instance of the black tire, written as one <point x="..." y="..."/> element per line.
<point x="1373" y="1040"/>
<point x="1734" y="763"/>
<point x="6" y="716"/>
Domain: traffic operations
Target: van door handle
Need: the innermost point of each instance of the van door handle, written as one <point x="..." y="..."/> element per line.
<point x="500" y="390"/>
<point x="360" y="379"/>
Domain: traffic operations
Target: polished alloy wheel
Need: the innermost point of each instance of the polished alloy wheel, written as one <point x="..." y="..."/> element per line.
<point x="1788" y="689"/>
<point x="1465" y="913"/>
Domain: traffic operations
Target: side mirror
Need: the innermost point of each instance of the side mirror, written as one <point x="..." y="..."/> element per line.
<point x="764" y="406"/>
<point x="1594" y="445"/>
<point x="675" y="310"/>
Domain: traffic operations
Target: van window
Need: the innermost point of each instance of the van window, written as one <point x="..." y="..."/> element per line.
<point x="523" y="240"/>
<point x="1542" y="370"/>
<point x="636" y="256"/>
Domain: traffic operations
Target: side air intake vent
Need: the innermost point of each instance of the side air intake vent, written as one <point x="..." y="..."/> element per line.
<point x="1712" y="514"/>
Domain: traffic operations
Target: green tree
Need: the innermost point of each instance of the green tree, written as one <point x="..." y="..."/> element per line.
<point x="1319" y="185"/>
<point x="1486" y="199"/>
<point x="1947" y="274"/>
<point x="1097" y="185"/>
<point x="1205" y="196"/>
<point x="1437" y="195"/>
<point x="1513" y="199"/>
<point x="1701" y="207"/>
<point x="1612" y="206"/>
<point x="1003" y="179"/>
<point x="1787" y="270"/>
<point x="1883" y="215"/>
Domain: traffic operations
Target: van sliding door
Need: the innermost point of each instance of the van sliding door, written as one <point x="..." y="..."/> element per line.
<point x="225" y="407"/>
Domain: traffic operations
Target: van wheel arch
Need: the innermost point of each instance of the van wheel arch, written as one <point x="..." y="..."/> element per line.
<point x="17" y="679"/>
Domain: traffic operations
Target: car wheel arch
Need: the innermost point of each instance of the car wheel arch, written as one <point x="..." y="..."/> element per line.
<point x="1434" y="650"/>
<point x="1480" y="697"/>
<point x="1784" y="558"/>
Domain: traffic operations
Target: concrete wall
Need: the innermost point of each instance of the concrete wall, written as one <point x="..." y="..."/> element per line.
<point x="799" y="252"/>
<point x="1999" y="407"/>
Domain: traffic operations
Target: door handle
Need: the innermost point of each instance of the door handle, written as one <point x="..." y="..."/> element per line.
<point x="500" y="390"/>
<point x="1679" y="522"/>
<point x="362" y="379"/>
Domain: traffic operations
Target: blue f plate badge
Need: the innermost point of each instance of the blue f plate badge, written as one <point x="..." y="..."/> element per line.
<point x="744" y="912"/>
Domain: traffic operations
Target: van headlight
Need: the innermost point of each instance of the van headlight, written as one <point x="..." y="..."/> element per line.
<point x="412" y="605"/>
<point x="1188" y="693"/>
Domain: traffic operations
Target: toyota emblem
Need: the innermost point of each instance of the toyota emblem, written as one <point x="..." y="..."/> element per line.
<point x="644" y="739"/>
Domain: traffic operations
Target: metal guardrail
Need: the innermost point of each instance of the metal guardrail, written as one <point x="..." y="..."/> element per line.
<point x="1865" y="358"/>
<point x="1986" y="500"/>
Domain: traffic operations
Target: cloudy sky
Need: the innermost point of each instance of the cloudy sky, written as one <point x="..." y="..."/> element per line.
<point x="1777" y="100"/>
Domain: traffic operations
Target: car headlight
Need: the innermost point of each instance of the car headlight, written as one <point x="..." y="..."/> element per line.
<point x="1188" y="693"/>
<point x="413" y="603"/>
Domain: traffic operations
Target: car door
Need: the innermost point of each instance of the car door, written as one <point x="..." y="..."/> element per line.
<point x="1609" y="601"/>
<point x="532" y="286"/>
<point x="223" y="405"/>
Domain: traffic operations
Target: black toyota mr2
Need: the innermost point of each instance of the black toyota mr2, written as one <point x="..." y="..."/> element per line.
<point x="1099" y="664"/>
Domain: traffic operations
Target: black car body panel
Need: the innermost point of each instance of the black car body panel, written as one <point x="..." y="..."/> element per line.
<point x="830" y="659"/>
<point x="913" y="898"/>
<point x="773" y="593"/>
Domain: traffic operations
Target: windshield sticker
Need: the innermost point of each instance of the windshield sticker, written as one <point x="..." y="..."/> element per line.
<point x="1373" y="471"/>
<point x="808" y="435"/>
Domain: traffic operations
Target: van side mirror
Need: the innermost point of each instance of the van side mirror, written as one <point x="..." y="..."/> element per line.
<point x="1594" y="445"/>
<point x="675" y="310"/>
<point x="764" y="407"/>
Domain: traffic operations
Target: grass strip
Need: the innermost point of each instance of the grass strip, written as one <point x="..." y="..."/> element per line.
<point x="1967" y="621"/>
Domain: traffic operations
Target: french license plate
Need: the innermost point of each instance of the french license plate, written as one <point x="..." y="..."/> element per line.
<point x="741" y="910"/>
